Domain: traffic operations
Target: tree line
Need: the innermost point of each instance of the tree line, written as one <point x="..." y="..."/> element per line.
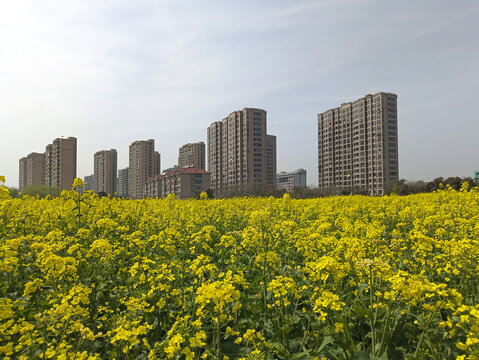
<point x="404" y="187"/>
<point x="401" y="187"/>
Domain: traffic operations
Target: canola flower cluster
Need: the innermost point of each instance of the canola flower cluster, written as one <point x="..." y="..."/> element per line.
<point x="349" y="277"/>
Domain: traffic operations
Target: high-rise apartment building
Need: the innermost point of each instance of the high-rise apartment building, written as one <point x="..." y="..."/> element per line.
<point x="31" y="170"/>
<point x="144" y="163"/>
<point x="271" y="160"/>
<point x="104" y="171"/>
<point x="358" y="145"/>
<point x="35" y="169"/>
<point x="192" y="155"/>
<point x="61" y="163"/>
<point x="157" y="160"/>
<point x="123" y="182"/>
<point x="22" y="173"/>
<point x="241" y="156"/>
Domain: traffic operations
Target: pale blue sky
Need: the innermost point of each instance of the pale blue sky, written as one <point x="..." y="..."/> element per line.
<point x="112" y="72"/>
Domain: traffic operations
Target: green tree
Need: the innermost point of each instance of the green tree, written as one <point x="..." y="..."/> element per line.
<point x="42" y="190"/>
<point x="400" y="187"/>
<point x="13" y="192"/>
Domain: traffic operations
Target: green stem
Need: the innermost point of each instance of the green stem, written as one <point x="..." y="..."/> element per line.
<point x="373" y="322"/>
<point x="386" y="324"/>
<point x="282" y="326"/>
<point x="304" y="337"/>
<point x="218" y="350"/>
<point x="424" y="331"/>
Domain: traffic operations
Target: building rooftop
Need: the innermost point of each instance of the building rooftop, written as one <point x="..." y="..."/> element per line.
<point x="291" y="172"/>
<point x="352" y="102"/>
<point x="191" y="170"/>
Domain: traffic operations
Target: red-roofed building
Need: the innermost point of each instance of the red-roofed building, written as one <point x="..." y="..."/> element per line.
<point x="184" y="182"/>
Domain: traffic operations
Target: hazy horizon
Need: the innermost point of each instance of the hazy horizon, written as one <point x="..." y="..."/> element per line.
<point x="110" y="73"/>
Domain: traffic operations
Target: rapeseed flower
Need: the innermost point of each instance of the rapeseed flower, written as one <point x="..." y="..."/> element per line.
<point x="86" y="278"/>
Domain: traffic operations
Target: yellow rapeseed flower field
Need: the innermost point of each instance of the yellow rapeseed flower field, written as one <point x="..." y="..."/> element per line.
<point x="349" y="277"/>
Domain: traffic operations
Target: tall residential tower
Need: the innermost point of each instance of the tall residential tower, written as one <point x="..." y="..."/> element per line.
<point x="123" y="182"/>
<point x="61" y="163"/>
<point x="144" y="163"/>
<point x="105" y="169"/>
<point x="241" y="155"/>
<point x="22" y="173"/>
<point x="57" y="166"/>
<point x="358" y="146"/>
<point x="35" y="168"/>
<point x="192" y="155"/>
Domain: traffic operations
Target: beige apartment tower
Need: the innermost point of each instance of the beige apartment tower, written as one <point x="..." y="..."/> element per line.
<point x="61" y="163"/>
<point x="22" y="173"/>
<point x="271" y="160"/>
<point x="241" y="156"/>
<point x="358" y="146"/>
<point x="192" y="155"/>
<point x="35" y="168"/>
<point x="144" y="163"/>
<point x="104" y="172"/>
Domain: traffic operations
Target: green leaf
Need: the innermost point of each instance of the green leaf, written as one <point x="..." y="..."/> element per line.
<point x="362" y="355"/>
<point x="155" y="322"/>
<point x="301" y="356"/>
<point x="326" y="341"/>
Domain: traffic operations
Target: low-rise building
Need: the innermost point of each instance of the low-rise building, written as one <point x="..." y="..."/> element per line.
<point x="289" y="180"/>
<point x="173" y="168"/>
<point x="152" y="187"/>
<point x="184" y="182"/>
